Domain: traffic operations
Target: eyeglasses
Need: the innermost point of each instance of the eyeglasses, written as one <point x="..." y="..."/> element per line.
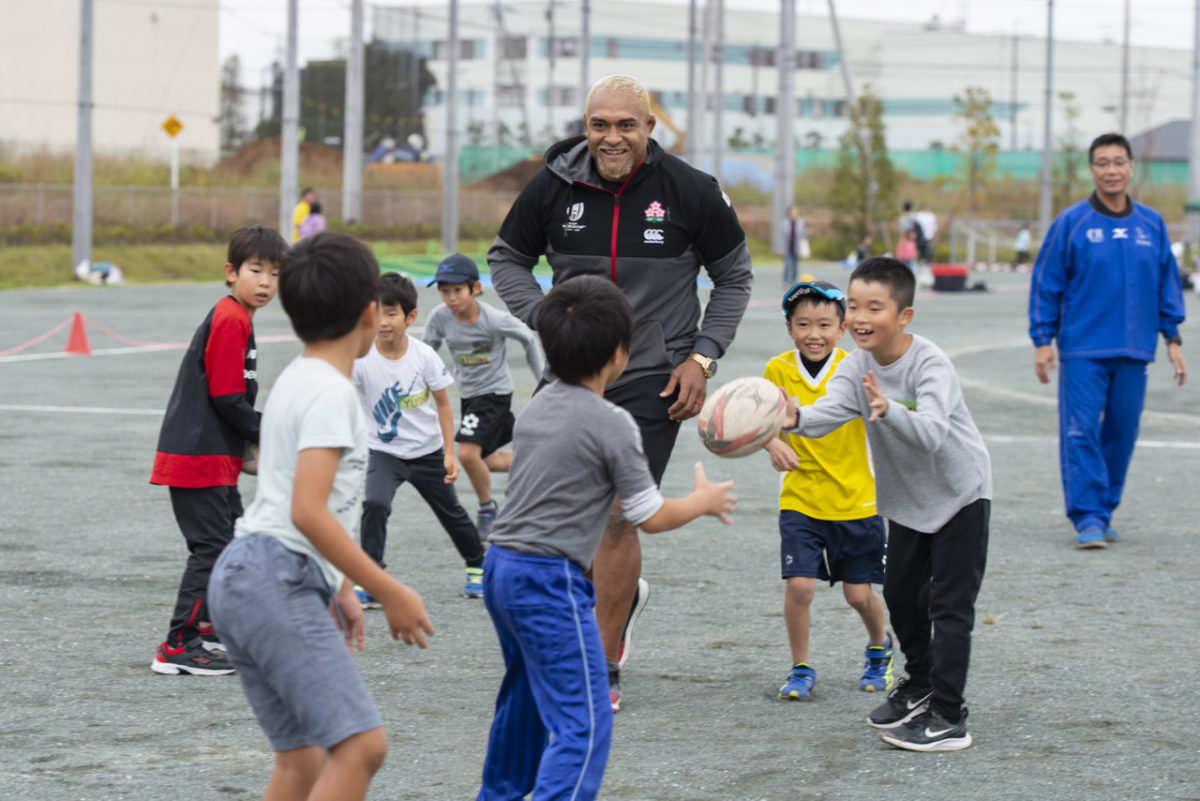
<point x="805" y="287"/>
<point x="1104" y="164"/>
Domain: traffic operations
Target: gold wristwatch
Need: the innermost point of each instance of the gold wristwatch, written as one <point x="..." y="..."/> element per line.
<point x="709" y="366"/>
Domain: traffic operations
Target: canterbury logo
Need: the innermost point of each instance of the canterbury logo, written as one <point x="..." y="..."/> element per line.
<point x="653" y="236"/>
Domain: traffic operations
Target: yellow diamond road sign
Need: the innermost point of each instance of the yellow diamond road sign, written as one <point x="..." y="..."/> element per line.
<point x="172" y="126"/>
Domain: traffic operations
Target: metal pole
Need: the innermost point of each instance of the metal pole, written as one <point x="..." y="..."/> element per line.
<point x="718" y="87"/>
<point x="550" y="69"/>
<point x="785" y="116"/>
<point x="174" y="180"/>
<point x="414" y="76"/>
<point x="496" y="60"/>
<point x="450" y="162"/>
<point x="585" y="51"/>
<point x="706" y="56"/>
<point x="693" y="114"/>
<point x="352" y="138"/>
<point x="81" y="228"/>
<point x="1012" y="111"/>
<point x="1194" y="134"/>
<point x="1044" y="209"/>
<point x="1125" y="73"/>
<point x="289" y="157"/>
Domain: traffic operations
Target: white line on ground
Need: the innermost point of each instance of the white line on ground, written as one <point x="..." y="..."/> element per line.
<point x="1017" y="439"/>
<point x="7" y="407"/>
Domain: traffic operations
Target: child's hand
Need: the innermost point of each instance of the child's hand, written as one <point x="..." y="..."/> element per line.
<point x="878" y="401"/>
<point x="349" y="617"/>
<point x="783" y="458"/>
<point x="718" y="500"/>
<point x="793" y="415"/>
<point x="451" y="465"/>
<point x="406" y="615"/>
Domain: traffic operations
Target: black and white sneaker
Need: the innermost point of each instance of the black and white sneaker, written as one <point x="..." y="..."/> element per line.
<point x="902" y="705"/>
<point x="192" y="658"/>
<point x="930" y="732"/>
<point x="640" y="596"/>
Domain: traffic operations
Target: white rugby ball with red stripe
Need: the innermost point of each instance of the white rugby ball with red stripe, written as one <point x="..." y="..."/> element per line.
<point x="742" y="416"/>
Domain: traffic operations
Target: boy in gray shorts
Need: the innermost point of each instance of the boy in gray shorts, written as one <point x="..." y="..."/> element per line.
<point x="296" y="548"/>
<point x="575" y="454"/>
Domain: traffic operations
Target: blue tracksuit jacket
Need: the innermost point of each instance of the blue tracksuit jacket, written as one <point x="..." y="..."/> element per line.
<point x="1105" y="285"/>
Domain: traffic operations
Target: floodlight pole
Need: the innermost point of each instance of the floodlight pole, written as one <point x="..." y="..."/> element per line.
<point x="585" y="50"/>
<point x="1194" y="135"/>
<point x="352" y="138"/>
<point x="289" y="133"/>
<point x="450" y="161"/>
<point x="785" y="116"/>
<point x="81" y="227"/>
<point x="718" y="87"/>
<point x="1044" y="207"/>
<point x="691" y="148"/>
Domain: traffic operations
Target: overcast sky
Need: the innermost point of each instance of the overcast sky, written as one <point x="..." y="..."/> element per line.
<point x="254" y="29"/>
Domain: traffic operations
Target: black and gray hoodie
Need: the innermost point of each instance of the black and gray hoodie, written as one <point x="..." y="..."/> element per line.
<point x="649" y="236"/>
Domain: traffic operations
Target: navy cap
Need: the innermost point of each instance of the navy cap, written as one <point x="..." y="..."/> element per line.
<point x="456" y="269"/>
<point x="819" y="288"/>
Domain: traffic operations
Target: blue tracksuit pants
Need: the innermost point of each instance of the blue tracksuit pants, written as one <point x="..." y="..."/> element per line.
<point x="1099" y="407"/>
<point x="553" y="723"/>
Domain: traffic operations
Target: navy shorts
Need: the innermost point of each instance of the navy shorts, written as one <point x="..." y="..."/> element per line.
<point x="640" y="398"/>
<point x="487" y="420"/>
<point x="851" y="551"/>
<point x="270" y="606"/>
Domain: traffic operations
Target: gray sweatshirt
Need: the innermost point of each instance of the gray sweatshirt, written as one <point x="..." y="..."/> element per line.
<point x="478" y="348"/>
<point x="930" y="460"/>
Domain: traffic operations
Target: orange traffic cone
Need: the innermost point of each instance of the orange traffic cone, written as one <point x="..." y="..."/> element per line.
<point x="78" y="341"/>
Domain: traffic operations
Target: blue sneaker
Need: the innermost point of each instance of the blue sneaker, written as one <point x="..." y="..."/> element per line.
<point x="799" y="684"/>
<point x="877" y="670"/>
<point x="474" y="588"/>
<point x="1110" y="535"/>
<point x="1090" y="537"/>
<point x="487" y="518"/>
<point x="367" y="600"/>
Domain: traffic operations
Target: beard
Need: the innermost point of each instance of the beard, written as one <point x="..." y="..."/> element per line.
<point x="615" y="171"/>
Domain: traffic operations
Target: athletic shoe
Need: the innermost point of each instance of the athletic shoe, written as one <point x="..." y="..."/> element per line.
<point x="799" y="685"/>
<point x="210" y="641"/>
<point x="1110" y="535"/>
<point x="877" y="670"/>
<point x="474" y="588"/>
<point x="192" y="658"/>
<point x="902" y="705"/>
<point x="487" y="518"/>
<point x="1090" y="537"/>
<point x="930" y="732"/>
<point x="365" y="598"/>
<point x="614" y="688"/>
<point x="640" y="596"/>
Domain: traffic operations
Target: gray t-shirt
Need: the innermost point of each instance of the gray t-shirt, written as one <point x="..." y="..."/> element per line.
<point x="478" y="349"/>
<point x="573" y="454"/>
<point x="930" y="460"/>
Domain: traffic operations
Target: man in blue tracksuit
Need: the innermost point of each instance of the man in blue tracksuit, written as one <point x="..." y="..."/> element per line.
<point x="1105" y="285"/>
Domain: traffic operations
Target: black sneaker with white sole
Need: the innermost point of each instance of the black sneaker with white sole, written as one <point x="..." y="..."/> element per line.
<point x="640" y="596"/>
<point x="903" y="704"/>
<point x="930" y="732"/>
<point x="192" y="658"/>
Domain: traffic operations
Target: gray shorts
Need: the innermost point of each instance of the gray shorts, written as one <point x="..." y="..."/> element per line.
<point x="270" y="605"/>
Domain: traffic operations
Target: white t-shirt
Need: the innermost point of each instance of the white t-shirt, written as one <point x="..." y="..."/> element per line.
<point x="396" y="399"/>
<point x="311" y="405"/>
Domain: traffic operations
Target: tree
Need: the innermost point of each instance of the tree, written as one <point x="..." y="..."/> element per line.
<point x="1068" y="161"/>
<point x="232" y="117"/>
<point x="813" y="139"/>
<point x="863" y="195"/>
<point x="737" y="140"/>
<point x="978" y="144"/>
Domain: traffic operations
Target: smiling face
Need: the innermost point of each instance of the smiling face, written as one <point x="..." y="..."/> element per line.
<point x="254" y="283"/>
<point x="876" y="321"/>
<point x="618" y="130"/>
<point x="815" y="327"/>
<point x="1112" y="170"/>
<point x="393" y="323"/>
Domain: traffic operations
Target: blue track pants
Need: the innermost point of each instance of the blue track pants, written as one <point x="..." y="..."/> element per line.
<point x="1099" y="407"/>
<point x="553" y="723"/>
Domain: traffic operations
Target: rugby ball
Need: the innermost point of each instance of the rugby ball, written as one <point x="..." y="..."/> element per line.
<point x="742" y="416"/>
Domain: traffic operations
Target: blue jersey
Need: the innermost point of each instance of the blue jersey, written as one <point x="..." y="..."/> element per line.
<point x="1105" y="285"/>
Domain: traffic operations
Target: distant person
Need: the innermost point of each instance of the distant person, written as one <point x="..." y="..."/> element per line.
<point x="933" y="483"/>
<point x="928" y="223"/>
<point x="906" y="249"/>
<point x="475" y="334"/>
<point x="828" y="528"/>
<point x="907" y="219"/>
<point x="863" y="251"/>
<point x="206" y="433"/>
<point x="302" y="210"/>
<point x="281" y="593"/>
<point x="1104" y="287"/>
<point x="793" y="241"/>
<point x="1022" y="245"/>
<point x="314" y="223"/>
<point x="410" y="432"/>
<point x="576" y="453"/>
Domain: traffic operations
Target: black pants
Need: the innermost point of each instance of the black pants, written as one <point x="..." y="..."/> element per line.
<point x="205" y="516"/>
<point x="930" y="584"/>
<point x="385" y="474"/>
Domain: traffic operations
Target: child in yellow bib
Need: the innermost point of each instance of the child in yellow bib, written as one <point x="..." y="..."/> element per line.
<point x="827" y="522"/>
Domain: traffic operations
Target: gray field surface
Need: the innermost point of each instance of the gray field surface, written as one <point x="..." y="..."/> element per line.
<point x="1081" y="683"/>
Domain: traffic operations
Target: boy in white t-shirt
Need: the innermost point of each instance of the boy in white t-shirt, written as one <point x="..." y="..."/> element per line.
<point x="410" y="438"/>
<point x="295" y="550"/>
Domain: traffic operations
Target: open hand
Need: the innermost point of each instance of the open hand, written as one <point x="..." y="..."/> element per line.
<point x="718" y="500"/>
<point x="878" y="401"/>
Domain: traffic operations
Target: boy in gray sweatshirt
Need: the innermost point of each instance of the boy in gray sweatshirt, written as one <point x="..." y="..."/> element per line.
<point x="933" y="484"/>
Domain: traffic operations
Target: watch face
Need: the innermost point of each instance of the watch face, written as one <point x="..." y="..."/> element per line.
<point x="711" y="370"/>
